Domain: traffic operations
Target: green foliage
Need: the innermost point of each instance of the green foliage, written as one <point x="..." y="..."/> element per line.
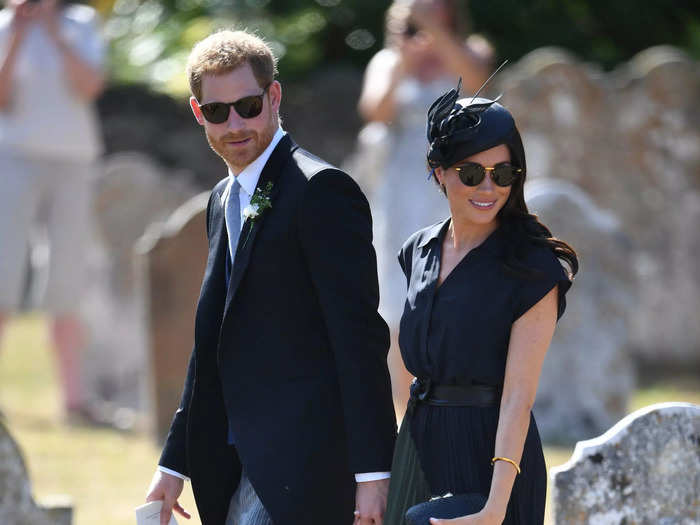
<point x="600" y="31"/>
<point x="151" y="38"/>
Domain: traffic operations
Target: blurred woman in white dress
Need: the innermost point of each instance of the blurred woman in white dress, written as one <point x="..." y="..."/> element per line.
<point x="426" y="51"/>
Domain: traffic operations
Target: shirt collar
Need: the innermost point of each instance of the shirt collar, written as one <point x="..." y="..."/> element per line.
<point x="433" y="233"/>
<point x="248" y="178"/>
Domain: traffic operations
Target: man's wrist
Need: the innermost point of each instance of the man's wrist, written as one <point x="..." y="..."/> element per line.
<point x="371" y="476"/>
<point x="173" y="473"/>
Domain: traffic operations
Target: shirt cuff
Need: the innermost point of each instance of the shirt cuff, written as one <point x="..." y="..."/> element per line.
<point x="173" y="473"/>
<point x="372" y="476"/>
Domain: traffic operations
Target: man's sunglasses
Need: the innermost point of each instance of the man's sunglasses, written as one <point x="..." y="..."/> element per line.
<point x="246" y="107"/>
<point x="472" y="173"/>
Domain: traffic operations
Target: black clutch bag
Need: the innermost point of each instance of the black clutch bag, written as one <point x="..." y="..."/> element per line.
<point x="446" y="507"/>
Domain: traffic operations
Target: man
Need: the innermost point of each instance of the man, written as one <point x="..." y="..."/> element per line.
<point x="286" y="415"/>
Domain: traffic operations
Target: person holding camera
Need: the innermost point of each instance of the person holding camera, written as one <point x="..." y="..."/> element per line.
<point x="51" y="59"/>
<point x="425" y="51"/>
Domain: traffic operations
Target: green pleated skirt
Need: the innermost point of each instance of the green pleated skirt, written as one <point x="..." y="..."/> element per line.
<point x="408" y="485"/>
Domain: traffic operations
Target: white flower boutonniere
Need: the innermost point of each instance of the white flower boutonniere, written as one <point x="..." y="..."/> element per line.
<point x="259" y="202"/>
<point x="251" y="211"/>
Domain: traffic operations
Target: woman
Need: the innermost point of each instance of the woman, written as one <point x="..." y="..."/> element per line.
<point x="485" y="289"/>
<point x="426" y="48"/>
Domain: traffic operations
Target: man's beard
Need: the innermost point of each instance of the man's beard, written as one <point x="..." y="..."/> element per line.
<point x="238" y="160"/>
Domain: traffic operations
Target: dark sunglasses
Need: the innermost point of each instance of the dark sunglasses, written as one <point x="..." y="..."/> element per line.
<point x="246" y="107"/>
<point x="472" y="173"/>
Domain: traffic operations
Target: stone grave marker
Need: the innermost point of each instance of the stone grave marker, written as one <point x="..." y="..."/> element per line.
<point x="587" y="376"/>
<point x="132" y="193"/>
<point x="631" y="140"/>
<point x="17" y="506"/>
<point x="173" y="257"/>
<point x="643" y="471"/>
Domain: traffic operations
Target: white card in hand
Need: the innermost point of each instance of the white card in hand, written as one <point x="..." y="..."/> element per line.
<point x="149" y="514"/>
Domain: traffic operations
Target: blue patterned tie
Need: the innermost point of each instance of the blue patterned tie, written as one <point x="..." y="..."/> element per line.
<point x="232" y="217"/>
<point x="233" y="223"/>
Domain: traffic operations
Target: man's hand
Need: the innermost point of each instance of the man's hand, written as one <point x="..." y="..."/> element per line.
<point x="370" y="502"/>
<point x="168" y="488"/>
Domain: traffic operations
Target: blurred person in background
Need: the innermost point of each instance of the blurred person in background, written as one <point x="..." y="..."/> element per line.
<point x="51" y="71"/>
<point x="426" y="51"/>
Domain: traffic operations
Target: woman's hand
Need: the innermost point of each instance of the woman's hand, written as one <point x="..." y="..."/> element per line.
<point x="24" y="13"/>
<point x="483" y="517"/>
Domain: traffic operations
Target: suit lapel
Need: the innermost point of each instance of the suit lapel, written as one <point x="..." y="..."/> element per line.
<point x="270" y="173"/>
<point x="219" y="240"/>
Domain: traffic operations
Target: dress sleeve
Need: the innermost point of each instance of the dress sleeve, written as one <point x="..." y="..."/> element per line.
<point x="405" y="255"/>
<point x="88" y="41"/>
<point x="550" y="273"/>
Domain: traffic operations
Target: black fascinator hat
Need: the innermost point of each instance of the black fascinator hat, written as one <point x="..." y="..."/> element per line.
<point x="458" y="128"/>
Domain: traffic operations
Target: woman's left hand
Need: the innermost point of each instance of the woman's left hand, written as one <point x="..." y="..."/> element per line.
<point x="480" y="518"/>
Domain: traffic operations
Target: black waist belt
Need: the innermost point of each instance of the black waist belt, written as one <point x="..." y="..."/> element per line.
<point x="424" y="390"/>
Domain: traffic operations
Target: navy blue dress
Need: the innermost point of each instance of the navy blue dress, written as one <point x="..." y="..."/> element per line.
<point x="458" y="333"/>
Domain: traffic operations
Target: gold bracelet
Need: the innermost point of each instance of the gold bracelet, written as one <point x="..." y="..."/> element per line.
<point x="508" y="460"/>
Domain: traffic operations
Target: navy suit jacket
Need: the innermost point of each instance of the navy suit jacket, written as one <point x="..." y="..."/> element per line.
<point x="292" y="354"/>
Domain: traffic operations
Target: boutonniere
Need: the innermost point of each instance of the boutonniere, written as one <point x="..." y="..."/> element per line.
<point x="259" y="202"/>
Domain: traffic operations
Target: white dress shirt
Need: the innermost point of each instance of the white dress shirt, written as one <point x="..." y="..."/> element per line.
<point x="248" y="179"/>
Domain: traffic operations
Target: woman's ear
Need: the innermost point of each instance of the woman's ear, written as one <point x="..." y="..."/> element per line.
<point x="440" y="175"/>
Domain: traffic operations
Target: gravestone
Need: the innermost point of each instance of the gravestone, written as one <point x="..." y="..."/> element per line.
<point x="587" y="376"/>
<point x="631" y="140"/>
<point x="132" y="193"/>
<point x="644" y="471"/>
<point x="17" y="507"/>
<point x="172" y="259"/>
<point x="658" y="96"/>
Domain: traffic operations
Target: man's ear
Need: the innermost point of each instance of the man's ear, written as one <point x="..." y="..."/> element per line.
<point x="275" y="91"/>
<point x="197" y="112"/>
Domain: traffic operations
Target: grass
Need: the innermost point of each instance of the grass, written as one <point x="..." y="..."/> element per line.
<point x="106" y="472"/>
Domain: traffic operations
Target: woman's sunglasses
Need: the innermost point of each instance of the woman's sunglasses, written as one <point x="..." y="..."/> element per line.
<point x="246" y="107"/>
<point x="472" y="173"/>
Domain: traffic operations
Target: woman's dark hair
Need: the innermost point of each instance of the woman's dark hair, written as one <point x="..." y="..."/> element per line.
<point x="524" y="228"/>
